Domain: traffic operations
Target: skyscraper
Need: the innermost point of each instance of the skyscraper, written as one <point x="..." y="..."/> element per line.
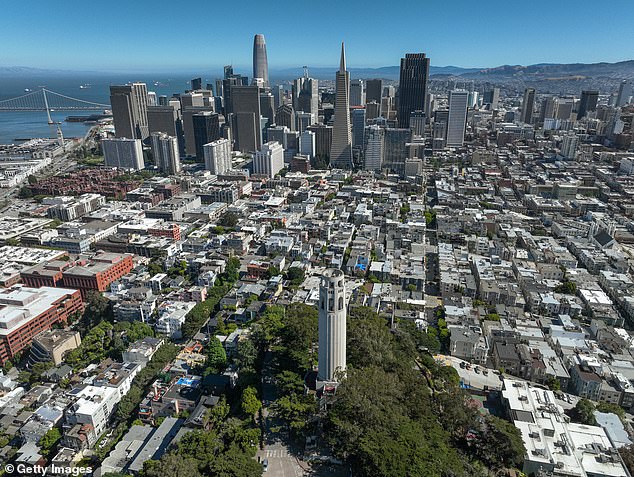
<point x="358" y="126"/>
<point x="129" y="110"/>
<point x="332" y="326"/>
<point x="412" y="86"/>
<point x="307" y="144"/>
<point x="549" y="107"/>
<point x="260" y="61"/>
<point x="123" y="153"/>
<point x="528" y="104"/>
<point x="373" y="90"/>
<point x="417" y="120"/>
<point x="374" y="148"/>
<point x="305" y="92"/>
<point x="166" y="155"/>
<point x="269" y="160"/>
<point x="218" y="156"/>
<point x="491" y="97"/>
<point x="206" y="129"/>
<point x="357" y="95"/>
<point x="625" y="91"/>
<point x="588" y="102"/>
<point x="457" y="117"/>
<point x="395" y="149"/>
<point x="197" y="83"/>
<point x="245" y="106"/>
<point x="341" y="148"/>
<point x="285" y="116"/>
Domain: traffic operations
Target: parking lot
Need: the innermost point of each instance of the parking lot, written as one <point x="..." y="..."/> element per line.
<point x="473" y="376"/>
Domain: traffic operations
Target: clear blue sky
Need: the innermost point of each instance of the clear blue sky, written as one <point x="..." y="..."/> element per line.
<point x="138" y="35"/>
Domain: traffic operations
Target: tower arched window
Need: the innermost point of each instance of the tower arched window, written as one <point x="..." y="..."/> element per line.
<point x="340" y="303"/>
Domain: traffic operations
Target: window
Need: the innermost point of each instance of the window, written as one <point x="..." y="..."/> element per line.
<point x="340" y="303"/>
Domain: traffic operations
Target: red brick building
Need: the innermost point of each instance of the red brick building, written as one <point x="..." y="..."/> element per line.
<point x="88" y="273"/>
<point x="25" y="312"/>
<point x="98" y="272"/>
<point x="172" y="231"/>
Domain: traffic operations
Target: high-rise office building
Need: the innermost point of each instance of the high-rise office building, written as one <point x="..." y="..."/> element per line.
<point x="412" y="87"/>
<point x="307" y="144"/>
<point x="267" y="107"/>
<point x="332" y="326"/>
<point x="569" y="146"/>
<point x="373" y="90"/>
<point x="165" y="151"/>
<point x="303" y="120"/>
<point x="305" y="93"/>
<point x="206" y="129"/>
<point x="341" y="149"/>
<point x="123" y="153"/>
<point x="358" y="127"/>
<point x="374" y="136"/>
<point x="357" y="94"/>
<point x="269" y="160"/>
<point x="278" y="134"/>
<point x="188" y="127"/>
<point x="625" y="91"/>
<point x="245" y="106"/>
<point x="260" y="61"/>
<point x="457" y="118"/>
<point x="285" y="116"/>
<point x="218" y="156"/>
<point x="528" y="104"/>
<point x="564" y="108"/>
<point x="549" y="109"/>
<point x="417" y="120"/>
<point x="323" y="139"/>
<point x="588" y="102"/>
<point x="197" y="83"/>
<point x="129" y="110"/>
<point x="492" y="98"/>
<point x="395" y="149"/>
<point x="372" y="110"/>
<point x="166" y="119"/>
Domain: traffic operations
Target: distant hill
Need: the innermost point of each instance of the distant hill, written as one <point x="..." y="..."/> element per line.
<point x="384" y="72"/>
<point x="622" y="69"/>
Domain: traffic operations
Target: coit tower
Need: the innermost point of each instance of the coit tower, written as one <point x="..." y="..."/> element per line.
<point x="260" y="62"/>
<point x="332" y="326"/>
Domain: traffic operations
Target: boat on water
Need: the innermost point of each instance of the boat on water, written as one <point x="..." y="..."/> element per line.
<point x="27" y="90"/>
<point x="85" y="86"/>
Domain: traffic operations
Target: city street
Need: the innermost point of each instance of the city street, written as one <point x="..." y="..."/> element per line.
<point x="282" y="459"/>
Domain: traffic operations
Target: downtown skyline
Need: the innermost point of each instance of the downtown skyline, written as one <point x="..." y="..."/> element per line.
<point x="482" y="38"/>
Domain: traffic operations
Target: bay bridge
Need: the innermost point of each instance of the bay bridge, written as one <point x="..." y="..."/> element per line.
<point x="46" y="100"/>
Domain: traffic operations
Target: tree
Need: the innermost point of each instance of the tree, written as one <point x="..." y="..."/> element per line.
<point x="289" y="382"/>
<point x="49" y="439"/>
<point x="499" y="444"/>
<point x="583" y="412"/>
<point x="553" y="383"/>
<point x="216" y="356"/>
<point x="295" y="275"/>
<point x="627" y="454"/>
<point x="295" y="409"/>
<point x="32" y="179"/>
<point x="229" y="219"/>
<point x="608" y="407"/>
<point x="250" y="404"/>
<point x="172" y="464"/>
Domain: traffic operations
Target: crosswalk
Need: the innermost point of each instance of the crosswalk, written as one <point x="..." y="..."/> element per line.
<point x="280" y="453"/>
